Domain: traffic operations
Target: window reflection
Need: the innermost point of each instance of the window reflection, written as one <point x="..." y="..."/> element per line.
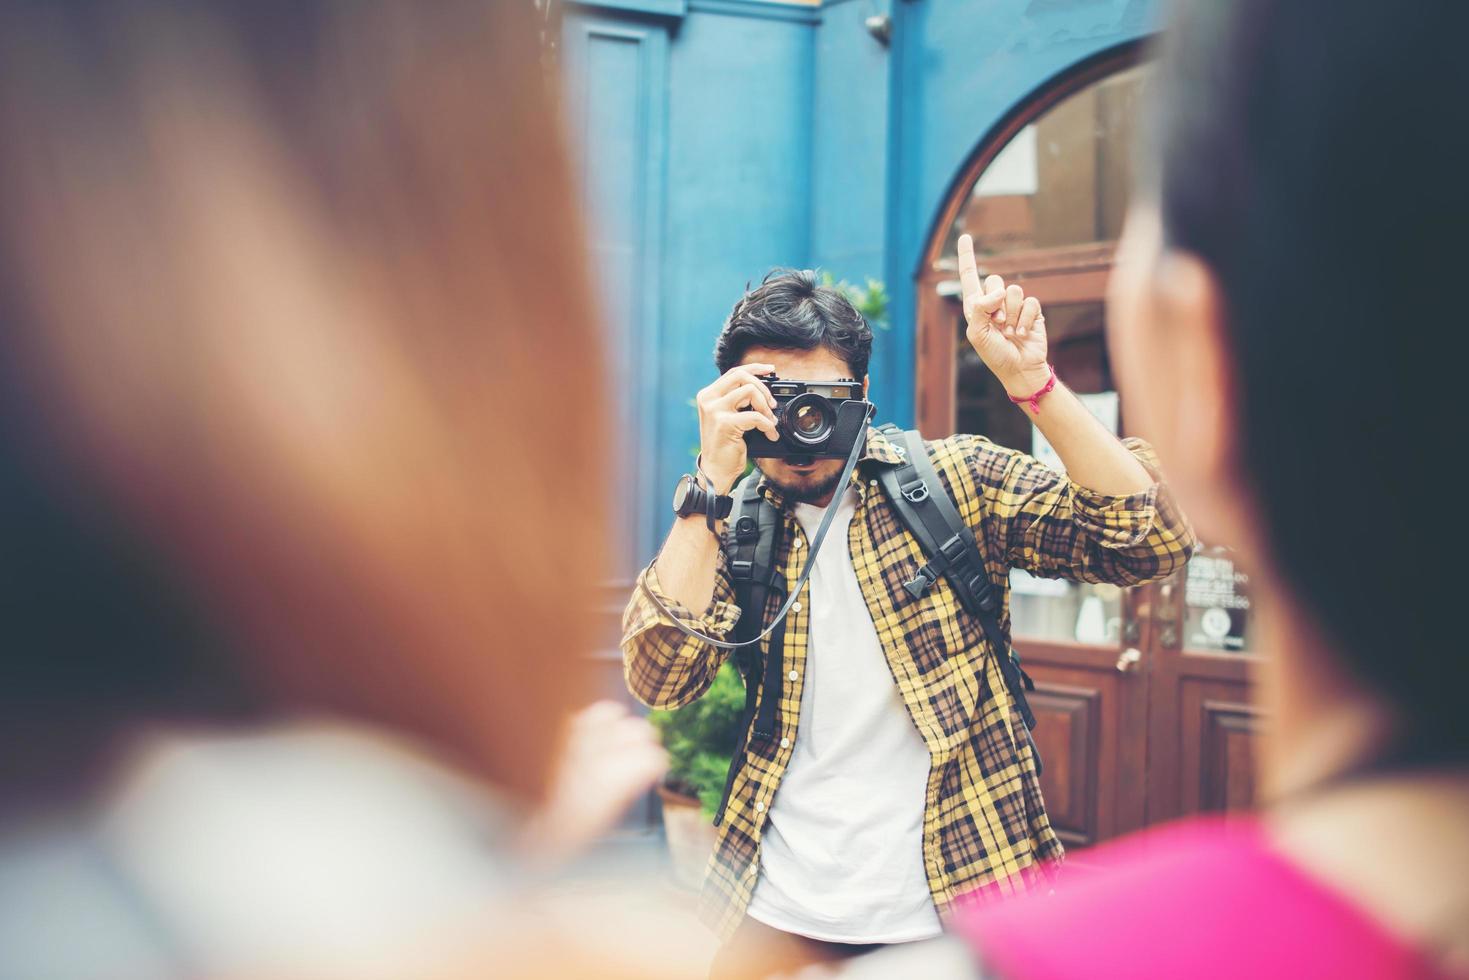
<point x="1045" y="213"/>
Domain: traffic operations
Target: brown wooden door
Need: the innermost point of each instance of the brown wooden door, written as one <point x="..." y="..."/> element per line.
<point x="1160" y="724"/>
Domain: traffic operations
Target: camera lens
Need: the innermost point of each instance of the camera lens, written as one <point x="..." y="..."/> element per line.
<point x="809" y="418"/>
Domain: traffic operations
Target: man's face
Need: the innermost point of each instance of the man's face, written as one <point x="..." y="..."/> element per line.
<point x="813" y="482"/>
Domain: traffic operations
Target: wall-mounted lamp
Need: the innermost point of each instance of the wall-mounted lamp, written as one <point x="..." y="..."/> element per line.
<point x="880" y="26"/>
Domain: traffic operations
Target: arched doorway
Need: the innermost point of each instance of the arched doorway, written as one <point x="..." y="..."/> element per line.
<point x="1142" y="694"/>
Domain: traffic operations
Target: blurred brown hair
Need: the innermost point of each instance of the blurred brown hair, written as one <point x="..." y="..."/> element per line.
<point x="293" y="295"/>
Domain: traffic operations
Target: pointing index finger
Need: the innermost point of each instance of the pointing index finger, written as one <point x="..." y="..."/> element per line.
<point x="968" y="271"/>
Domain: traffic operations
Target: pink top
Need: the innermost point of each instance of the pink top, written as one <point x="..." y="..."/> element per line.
<point x="1194" y="899"/>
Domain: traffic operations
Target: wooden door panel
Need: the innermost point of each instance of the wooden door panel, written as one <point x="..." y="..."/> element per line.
<point x="1218" y="750"/>
<point x="1083" y="730"/>
<point x="1068" y="735"/>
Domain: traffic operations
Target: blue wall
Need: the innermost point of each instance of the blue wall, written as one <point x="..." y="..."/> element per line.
<point x="850" y="142"/>
<point x="719" y="138"/>
<point x="703" y="136"/>
<point x="739" y="198"/>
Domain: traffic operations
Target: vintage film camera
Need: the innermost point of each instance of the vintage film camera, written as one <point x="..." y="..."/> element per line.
<point x="815" y="419"/>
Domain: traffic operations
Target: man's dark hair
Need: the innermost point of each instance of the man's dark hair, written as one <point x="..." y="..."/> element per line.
<point x="1304" y="157"/>
<point x="791" y="310"/>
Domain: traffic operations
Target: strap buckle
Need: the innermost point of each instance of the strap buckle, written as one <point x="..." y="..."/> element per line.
<point x="916" y="493"/>
<point x="984" y="593"/>
<point x="921" y="582"/>
<point x="953" y="550"/>
<point x="988" y="600"/>
<point x="746" y="529"/>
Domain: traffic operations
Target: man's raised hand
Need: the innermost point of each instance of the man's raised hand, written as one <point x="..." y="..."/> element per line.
<point x="1006" y="327"/>
<point x="735" y="403"/>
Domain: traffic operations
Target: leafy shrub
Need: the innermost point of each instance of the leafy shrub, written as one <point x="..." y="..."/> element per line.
<point x="871" y="298"/>
<point x="701" y="738"/>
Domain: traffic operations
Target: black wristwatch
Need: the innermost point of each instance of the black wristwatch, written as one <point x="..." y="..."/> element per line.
<point x="689" y="498"/>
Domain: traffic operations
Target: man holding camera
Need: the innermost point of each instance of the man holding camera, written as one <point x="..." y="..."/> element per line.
<point x="885" y="769"/>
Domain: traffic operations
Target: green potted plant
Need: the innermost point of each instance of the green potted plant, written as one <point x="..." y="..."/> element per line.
<point x="700" y="739"/>
<point x="870" y="298"/>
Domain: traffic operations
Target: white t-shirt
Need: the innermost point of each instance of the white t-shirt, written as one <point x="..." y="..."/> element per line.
<point x="841" y="858"/>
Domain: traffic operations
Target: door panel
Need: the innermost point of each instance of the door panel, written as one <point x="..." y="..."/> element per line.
<point x="1068" y="742"/>
<point x="1076" y="727"/>
<point x="1225" y="775"/>
<point x="1090" y="702"/>
<point x="1203" y="728"/>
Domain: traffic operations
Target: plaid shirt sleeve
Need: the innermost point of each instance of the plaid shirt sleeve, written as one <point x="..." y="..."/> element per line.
<point x="665" y="667"/>
<point x="1048" y="525"/>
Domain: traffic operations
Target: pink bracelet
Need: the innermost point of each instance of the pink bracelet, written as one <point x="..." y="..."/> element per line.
<point x="1034" y="401"/>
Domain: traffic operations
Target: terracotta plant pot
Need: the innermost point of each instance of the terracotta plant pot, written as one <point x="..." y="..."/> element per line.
<point x="690" y="837"/>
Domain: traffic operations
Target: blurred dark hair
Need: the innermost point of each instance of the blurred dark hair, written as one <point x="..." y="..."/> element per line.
<point x="791" y="310"/>
<point x="99" y="631"/>
<point x="1314" y="156"/>
<point x="271" y="310"/>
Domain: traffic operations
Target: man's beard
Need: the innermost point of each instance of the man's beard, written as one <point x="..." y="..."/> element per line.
<point x="806" y="492"/>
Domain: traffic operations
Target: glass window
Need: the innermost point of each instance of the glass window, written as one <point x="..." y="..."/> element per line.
<point x="1064" y="179"/>
<point x="1216" y="613"/>
<point x="1049" y="609"/>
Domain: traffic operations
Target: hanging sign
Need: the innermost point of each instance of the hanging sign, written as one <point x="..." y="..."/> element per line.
<point x="1218" y="602"/>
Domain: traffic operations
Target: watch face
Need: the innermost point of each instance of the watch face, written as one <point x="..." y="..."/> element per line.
<point x="681" y="494"/>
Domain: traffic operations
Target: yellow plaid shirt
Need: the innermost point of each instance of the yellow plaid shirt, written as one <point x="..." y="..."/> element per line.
<point x="984" y="821"/>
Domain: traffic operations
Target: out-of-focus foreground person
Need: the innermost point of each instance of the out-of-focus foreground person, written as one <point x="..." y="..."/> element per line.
<point x="291" y="568"/>
<point x="1286" y="291"/>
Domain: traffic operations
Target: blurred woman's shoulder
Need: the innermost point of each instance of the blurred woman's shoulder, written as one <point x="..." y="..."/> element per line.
<point x="1209" y="897"/>
<point x="314" y="846"/>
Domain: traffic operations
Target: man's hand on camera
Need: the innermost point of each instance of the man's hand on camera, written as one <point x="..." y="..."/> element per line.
<point x="1006" y="327"/>
<point x="733" y="405"/>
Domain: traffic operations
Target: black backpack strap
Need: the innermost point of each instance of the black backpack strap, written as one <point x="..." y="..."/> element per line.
<point x="949" y="544"/>
<point x="929" y="514"/>
<point x="751" y="540"/>
<point x="749" y="550"/>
